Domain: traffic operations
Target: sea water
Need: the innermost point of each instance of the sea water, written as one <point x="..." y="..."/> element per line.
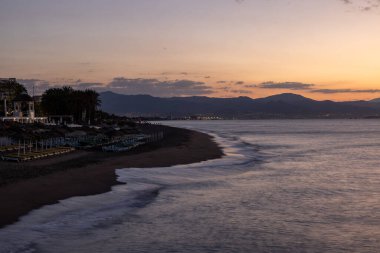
<point x="283" y="186"/>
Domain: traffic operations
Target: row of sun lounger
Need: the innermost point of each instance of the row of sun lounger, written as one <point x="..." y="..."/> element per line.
<point x="126" y="144"/>
<point x="130" y="143"/>
<point x="121" y="148"/>
<point x="21" y="157"/>
<point x="10" y="148"/>
<point x="26" y="153"/>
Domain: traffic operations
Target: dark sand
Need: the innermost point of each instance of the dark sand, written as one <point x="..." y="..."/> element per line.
<point x="90" y="173"/>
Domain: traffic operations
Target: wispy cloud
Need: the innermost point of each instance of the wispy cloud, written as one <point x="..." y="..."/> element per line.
<point x="84" y="85"/>
<point x="124" y="85"/>
<point x="241" y="91"/>
<point x="156" y="87"/>
<point x="250" y="86"/>
<point x="286" y="85"/>
<point x="310" y="88"/>
<point x="335" y="91"/>
<point x="230" y="89"/>
<point x="167" y="73"/>
<point x="168" y="88"/>
<point x="38" y="87"/>
<point x="35" y="86"/>
<point x="363" y="5"/>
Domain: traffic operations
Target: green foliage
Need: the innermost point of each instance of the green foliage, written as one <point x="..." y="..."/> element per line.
<point x="80" y="104"/>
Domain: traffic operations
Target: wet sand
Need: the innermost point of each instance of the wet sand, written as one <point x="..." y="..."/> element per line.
<point x="84" y="173"/>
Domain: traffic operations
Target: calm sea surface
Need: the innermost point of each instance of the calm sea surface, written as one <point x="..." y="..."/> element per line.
<point x="284" y="186"/>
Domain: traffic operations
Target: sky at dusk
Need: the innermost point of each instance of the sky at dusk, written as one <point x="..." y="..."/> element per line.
<point x="325" y="49"/>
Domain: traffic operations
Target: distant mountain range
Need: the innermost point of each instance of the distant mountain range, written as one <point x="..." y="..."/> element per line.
<point x="286" y="105"/>
<point x="376" y="100"/>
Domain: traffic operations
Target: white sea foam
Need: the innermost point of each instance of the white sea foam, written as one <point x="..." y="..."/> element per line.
<point x="284" y="186"/>
<point x="78" y="217"/>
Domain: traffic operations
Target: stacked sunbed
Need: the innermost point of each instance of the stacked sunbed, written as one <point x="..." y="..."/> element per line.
<point x="10" y="148"/>
<point x="124" y="145"/>
<point x="32" y="155"/>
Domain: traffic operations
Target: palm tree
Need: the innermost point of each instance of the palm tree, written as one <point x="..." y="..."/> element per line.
<point x="56" y="101"/>
<point x="91" y="101"/>
<point x="82" y="105"/>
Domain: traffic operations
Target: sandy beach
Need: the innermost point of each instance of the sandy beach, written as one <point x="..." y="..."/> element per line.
<point x="84" y="173"/>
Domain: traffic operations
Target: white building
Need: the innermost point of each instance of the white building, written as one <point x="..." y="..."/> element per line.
<point x="23" y="107"/>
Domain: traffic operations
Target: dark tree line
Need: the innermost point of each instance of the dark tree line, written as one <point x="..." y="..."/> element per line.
<point x="82" y="105"/>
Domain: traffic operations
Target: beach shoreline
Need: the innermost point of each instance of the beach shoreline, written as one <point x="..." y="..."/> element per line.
<point x="84" y="173"/>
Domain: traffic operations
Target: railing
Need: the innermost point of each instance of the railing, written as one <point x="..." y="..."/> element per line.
<point x="25" y="119"/>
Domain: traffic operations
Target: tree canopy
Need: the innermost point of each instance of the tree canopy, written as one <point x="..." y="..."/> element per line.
<point x="81" y="104"/>
<point x="9" y="89"/>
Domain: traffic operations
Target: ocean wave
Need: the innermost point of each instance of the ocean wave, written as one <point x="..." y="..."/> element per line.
<point x="81" y="216"/>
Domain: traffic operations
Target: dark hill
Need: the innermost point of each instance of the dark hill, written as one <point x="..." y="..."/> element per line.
<point x="285" y="105"/>
<point x="376" y="100"/>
